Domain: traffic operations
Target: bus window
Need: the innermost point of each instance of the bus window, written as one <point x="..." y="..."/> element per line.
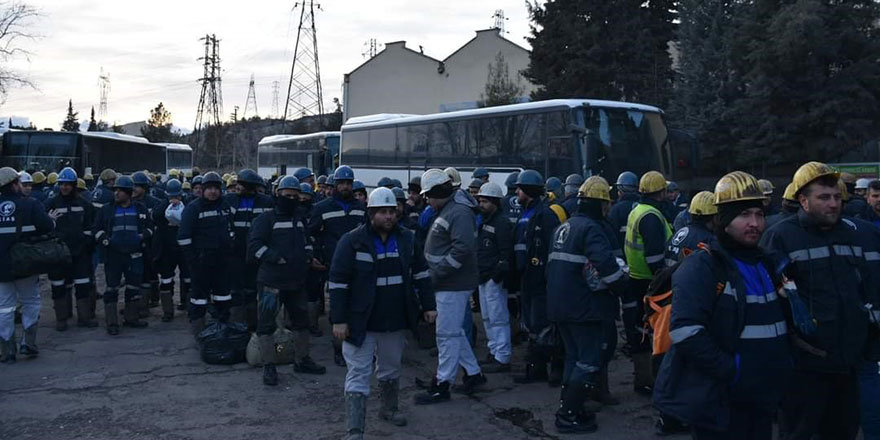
<point x="530" y="141"/>
<point x="445" y="143"/>
<point x="357" y="147"/>
<point x="620" y="137"/>
<point x="416" y="145"/>
<point x="492" y="141"/>
<point x="383" y="146"/>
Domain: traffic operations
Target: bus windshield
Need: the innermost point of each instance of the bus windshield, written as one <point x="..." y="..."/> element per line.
<point x="285" y="155"/>
<point x="39" y="151"/>
<point x="620" y="139"/>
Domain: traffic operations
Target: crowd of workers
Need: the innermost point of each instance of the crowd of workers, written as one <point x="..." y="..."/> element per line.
<point x="760" y="316"/>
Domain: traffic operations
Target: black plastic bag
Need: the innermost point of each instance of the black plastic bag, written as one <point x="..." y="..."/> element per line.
<point x="224" y="343"/>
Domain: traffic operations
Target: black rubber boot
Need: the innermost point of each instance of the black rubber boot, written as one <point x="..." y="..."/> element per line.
<point x="470" y="384"/>
<point x="7" y="350"/>
<point x="389" y="395"/>
<point x="131" y="314"/>
<point x="111" y="317"/>
<point x="62" y="312"/>
<point x="270" y="375"/>
<point x="355" y="415"/>
<point x="167" y="299"/>
<point x="571" y="418"/>
<point x="438" y="392"/>
<point x="85" y="313"/>
<point x="29" y="344"/>
<point x="602" y="392"/>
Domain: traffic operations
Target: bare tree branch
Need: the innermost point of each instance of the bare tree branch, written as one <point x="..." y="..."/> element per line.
<point x="16" y="25"/>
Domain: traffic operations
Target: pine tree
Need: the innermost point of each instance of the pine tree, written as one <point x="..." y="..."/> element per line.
<point x="70" y="122"/>
<point x="93" y="124"/>
<point x="116" y="128"/>
<point x="500" y="88"/>
<point x="158" y="127"/>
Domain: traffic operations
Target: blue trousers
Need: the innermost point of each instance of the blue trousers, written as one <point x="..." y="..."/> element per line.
<point x="583" y="351"/>
<point x="869" y="399"/>
<point x="118" y="265"/>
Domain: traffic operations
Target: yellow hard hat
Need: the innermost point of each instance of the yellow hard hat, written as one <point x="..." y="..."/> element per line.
<point x="595" y="187"/>
<point x="703" y="204"/>
<point x="766" y="186"/>
<point x="174" y="172"/>
<point x="789" y="193"/>
<point x="38" y="177"/>
<point x="848" y="178"/>
<point x="809" y="172"/>
<point x="152" y="178"/>
<point x="231" y="180"/>
<point x="52" y="178"/>
<point x="737" y="186"/>
<point x="225" y="176"/>
<point x="186" y="185"/>
<point x="197" y="170"/>
<point x="89" y="176"/>
<point x="188" y="175"/>
<point x="844" y="194"/>
<point x="108" y="174"/>
<point x="80" y="184"/>
<point x="651" y="182"/>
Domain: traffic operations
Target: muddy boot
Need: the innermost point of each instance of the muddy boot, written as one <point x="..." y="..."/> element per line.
<point x="7" y="350"/>
<point x="571" y="418"/>
<point x="85" y="313"/>
<point x="643" y="382"/>
<point x="142" y="305"/>
<point x="29" y="342"/>
<point x="314" y="329"/>
<point x="131" y="314"/>
<point x="196" y="327"/>
<point x="355" y="415"/>
<point x="267" y="355"/>
<point x="62" y="312"/>
<point x="167" y="298"/>
<point x="470" y="384"/>
<point x="304" y="364"/>
<point x="534" y="373"/>
<point x="390" y="390"/>
<point x="111" y="317"/>
<point x="602" y="393"/>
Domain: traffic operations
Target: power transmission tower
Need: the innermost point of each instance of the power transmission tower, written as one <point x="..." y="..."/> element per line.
<point x="304" y="94"/>
<point x="499" y="21"/>
<point x="211" y="98"/>
<point x="104" y="86"/>
<point x="370" y="49"/>
<point x="251" y="100"/>
<point x="276" y="88"/>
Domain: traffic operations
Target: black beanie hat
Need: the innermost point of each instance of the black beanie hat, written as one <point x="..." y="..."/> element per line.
<point x="440" y="191"/>
<point x="533" y="191"/>
<point x="728" y="211"/>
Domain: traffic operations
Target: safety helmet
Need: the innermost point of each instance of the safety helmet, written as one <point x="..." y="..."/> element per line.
<point x="382" y="197"/>
<point x="249" y="177"/>
<point x="331" y="181"/>
<point x="188" y="175"/>
<point x="39" y="177"/>
<point x="738" y="186"/>
<point x="139" y="178"/>
<point x="357" y="185"/>
<point x="766" y="186"/>
<point x="454" y="175"/>
<point x="596" y="187"/>
<point x="863" y="183"/>
<point x="386" y="182"/>
<point x="174" y="172"/>
<point x="198" y="180"/>
<point x="231" y="181"/>
<point x="303" y="173"/>
<point x="491" y="189"/>
<point x="343" y="172"/>
<point x="289" y="182"/>
<point x="88" y="177"/>
<point x="123" y="182"/>
<point x="24" y="177"/>
<point x="67" y="175"/>
<point x="81" y="184"/>
<point x="187" y="186"/>
<point x="703" y="204"/>
<point x="671" y="186"/>
<point x="173" y="188"/>
<point x="152" y="177"/>
<point x="809" y="172"/>
<point x="306" y="188"/>
<point x="574" y="180"/>
<point x="848" y="178"/>
<point x="651" y="182"/>
<point x="476" y="183"/>
<point x="480" y="172"/>
<point x="397" y="183"/>
<point x="52" y="178"/>
<point x="7" y="176"/>
<point x="529" y="178"/>
<point x="399" y="194"/>
<point x="322" y="179"/>
<point x="415" y="184"/>
<point x="510" y="182"/>
<point x="196" y="171"/>
<point x="553" y="184"/>
<point x="627" y="180"/>
<point x="211" y="178"/>
<point x="108" y="174"/>
<point x="433" y="177"/>
<point x="225" y="176"/>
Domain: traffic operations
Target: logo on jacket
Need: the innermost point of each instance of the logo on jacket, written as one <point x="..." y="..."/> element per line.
<point x="7" y="208"/>
<point x="680" y="236"/>
<point x="562" y="235"/>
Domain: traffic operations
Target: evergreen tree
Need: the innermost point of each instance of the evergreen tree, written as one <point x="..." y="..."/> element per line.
<point x="500" y="88"/>
<point x="93" y="124"/>
<point x="158" y="128"/>
<point x="116" y="128"/>
<point x="71" y="123"/>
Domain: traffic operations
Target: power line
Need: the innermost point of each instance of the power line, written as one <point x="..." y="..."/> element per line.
<point x="104" y="86"/>
<point x="251" y="100"/>
<point x="211" y="97"/>
<point x="276" y="88"/>
<point x="304" y="94"/>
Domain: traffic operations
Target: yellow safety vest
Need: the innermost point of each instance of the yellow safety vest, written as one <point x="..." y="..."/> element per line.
<point x="635" y="244"/>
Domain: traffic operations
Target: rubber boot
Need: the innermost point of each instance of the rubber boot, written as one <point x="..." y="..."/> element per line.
<point x="602" y="393"/>
<point x="571" y="418"/>
<point x="85" y="313"/>
<point x="167" y="298"/>
<point x="267" y="354"/>
<point x="304" y="363"/>
<point x="437" y="392"/>
<point x="143" y="304"/>
<point x="184" y="297"/>
<point x="643" y="380"/>
<point x="355" y="415"/>
<point x="534" y="373"/>
<point x="131" y="314"/>
<point x="111" y="317"/>
<point x="62" y="312"/>
<point x="155" y="294"/>
<point x="314" y="329"/>
<point x="7" y="351"/>
<point x="29" y="342"/>
<point x="389" y="394"/>
<point x="196" y="327"/>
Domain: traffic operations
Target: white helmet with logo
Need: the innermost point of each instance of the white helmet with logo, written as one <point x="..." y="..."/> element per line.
<point x="433" y="177"/>
<point x="863" y="183"/>
<point x="382" y="197"/>
<point x="25" y="177"/>
<point x="491" y="189"/>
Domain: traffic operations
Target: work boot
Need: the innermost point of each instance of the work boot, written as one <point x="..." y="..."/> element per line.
<point x="338" y="359"/>
<point x="85" y="313"/>
<point x="7" y="350"/>
<point x="29" y="342"/>
<point x="534" y="373"/>
<point x="602" y="393"/>
<point x="306" y="365"/>
<point x="314" y="329"/>
<point x="111" y="317"/>
<point x="131" y="314"/>
<point x="668" y="425"/>
<point x="143" y="305"/>
<point x="184" y="297"/>
<point x="571" y="418"/>
<point x="167" y="299"/>
<point x="438" y="392"/>
<point x="270" y="375"/>
<point x="62" y="312"/>
<point x="355" y="415"/>
<point x="389" y="391"/>
<point x="470" y="384"/>
<point x="267" y="355"/>
<point x="643" y="380"/>
<point x="196" y="327"/>
<point x="495" y="367"/>
<point x="554" y="376"/>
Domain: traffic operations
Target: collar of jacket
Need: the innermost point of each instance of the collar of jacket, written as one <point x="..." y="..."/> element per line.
<point x="810" y="224"/>
<point x="649" y="201"/>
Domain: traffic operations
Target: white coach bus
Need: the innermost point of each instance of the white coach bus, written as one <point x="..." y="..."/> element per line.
<point x="178" y="156"/>
<point x="284" y="153"/>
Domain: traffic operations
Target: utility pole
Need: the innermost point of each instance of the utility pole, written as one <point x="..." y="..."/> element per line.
<point x="210" y="99"/>
<point x="304" y="94"/>
<point x="276" y="88"/>
<point x="251" y="100"/>
<point x="104" y="86"/>
<point x="499" y="18"/>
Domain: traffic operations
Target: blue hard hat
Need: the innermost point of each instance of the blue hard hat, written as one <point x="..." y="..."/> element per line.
<point x="357" y="185"/>
<point x="510" y="182"/>
<point x="173" y="188"/>
<point x="398" y="193"/>
<point x="330" y="180"/>
<point x="575" y="180"/>
<point x="553" y="184"/>
<point x="67" y="175"/>
<point x="139" y="178"/>
<point x="250" y="177"/>
<point x="306" y="188"/>
<point x="481" y="172"/>
<point x="397" y="183"/>
<point x="289" y="182"/>
<point x="322" y="179"/>
<point x="629" y="179"/>
<point x="197" y="180"/>
<point x="212" y="178"/>
<point x="303" y="173"/>
<point x="529" y="178"/>
<point x="344" y="172"/>
<point x="123" y="182"/>
<point x="386" y="182"/>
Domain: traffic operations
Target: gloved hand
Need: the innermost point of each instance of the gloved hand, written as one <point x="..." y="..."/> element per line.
<point x="805" y="323"/>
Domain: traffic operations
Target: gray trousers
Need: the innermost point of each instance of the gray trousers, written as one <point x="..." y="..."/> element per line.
<point x="385" y="347"/>
<point x="27" y="292"/>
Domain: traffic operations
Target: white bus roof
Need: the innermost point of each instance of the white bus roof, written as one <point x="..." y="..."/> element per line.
<point x="384" y="119"/>
<point x="117" y="136"/>
<point x="279" y="138"/>
<point x="179" y="147"/>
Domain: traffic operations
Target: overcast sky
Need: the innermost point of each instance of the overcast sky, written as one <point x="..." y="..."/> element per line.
<point x="150" y="49"/>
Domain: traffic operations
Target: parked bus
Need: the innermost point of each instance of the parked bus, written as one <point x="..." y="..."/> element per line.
<point x="556" y="137"/>
<point x="178" y="156"/>
<point x="284" y="153"/>
<point x="50" y="151"/>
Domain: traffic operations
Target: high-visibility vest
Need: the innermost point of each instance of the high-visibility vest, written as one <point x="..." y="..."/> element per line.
<point x="635" y="244"/>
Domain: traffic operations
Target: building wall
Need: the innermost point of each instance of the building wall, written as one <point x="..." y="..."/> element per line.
<point x="400" y="80"/>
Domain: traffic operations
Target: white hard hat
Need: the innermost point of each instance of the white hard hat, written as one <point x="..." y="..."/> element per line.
<point x="432" y="178"/>
<point x="454" y="175"/>
<point x="863" y="183"/>
<point x="7" y="176"/>
<point x="491" y="189"/>
<point x="24" y="177"/>
<point x="382" y="197"/>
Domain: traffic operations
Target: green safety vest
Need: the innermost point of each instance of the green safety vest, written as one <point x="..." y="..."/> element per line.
<point x="635" y="244"/>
